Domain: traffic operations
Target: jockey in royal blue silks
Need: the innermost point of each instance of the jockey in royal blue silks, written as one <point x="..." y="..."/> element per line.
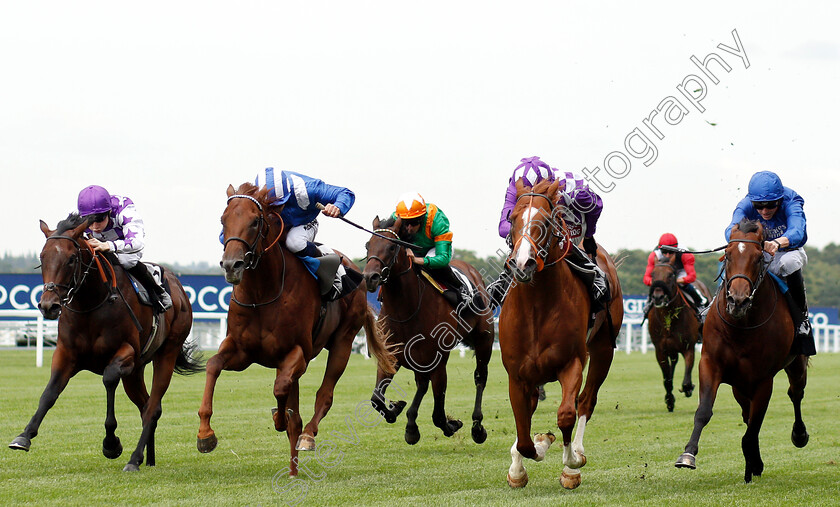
<point x="780" y="211"/>
<point x="301" y="194"/>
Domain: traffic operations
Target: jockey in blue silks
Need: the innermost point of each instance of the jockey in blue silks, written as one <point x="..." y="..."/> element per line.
<point x="301" y="194"/>
<point x="780" y="210"/>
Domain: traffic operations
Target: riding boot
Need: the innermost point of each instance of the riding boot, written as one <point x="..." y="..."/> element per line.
<point x="141" y="274"/>
<point x="593" y="277"/>
<point x="647" y="307"/>
<point x="327" y="266"/>
<point x="498" y="289"/>
<point x="801" y="320"/>
<point x="699" y="302"/>
<point x="457" y="293"/>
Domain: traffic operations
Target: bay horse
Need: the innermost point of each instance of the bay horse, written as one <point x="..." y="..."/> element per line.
<point x="103" y="328"/>
<point x="423" y="328"/>
<point x="543" y="331"/>
<point x="274" y="320"/>
<point x="747" y="339"/>
<point x="673" y="327"/>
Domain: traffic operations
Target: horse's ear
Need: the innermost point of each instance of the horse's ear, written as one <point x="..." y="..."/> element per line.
<point x="230" y="190"/>
<point x="552" y="189"/>
<point x="46" y="229"/>
<point x="520" y="186"/>
<point x="376" y="222"/>
<point x="397" y="224"/>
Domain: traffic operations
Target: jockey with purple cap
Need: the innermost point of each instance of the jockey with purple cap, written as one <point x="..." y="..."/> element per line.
<point x="780" y="210"/>
<point x="114" y="225"/>
<point x="581" y="207"/>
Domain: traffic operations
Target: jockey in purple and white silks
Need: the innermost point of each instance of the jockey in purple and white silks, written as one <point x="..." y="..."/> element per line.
<point x="116" y="226"/>
<point x="582" y="208"/>
<point x="301" y="194"/>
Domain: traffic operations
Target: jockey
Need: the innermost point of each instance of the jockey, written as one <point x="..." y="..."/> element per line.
<point x="426" y="226"/>
<point x="114" y="225"/>
<point x="583" y="208"/>
<point x="685" y="272"/>
<point x="779" y="210"/>
<point x="301" y="195"/>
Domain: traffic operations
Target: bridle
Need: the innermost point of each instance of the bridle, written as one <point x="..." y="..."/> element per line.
<point x="754" y="285"/>
<point x="557" y="232"/>
<point x="387" y="267"/>
<point x="663" y="285"/>
<point x="80" y="275"/>
<point x="252" y="256"/>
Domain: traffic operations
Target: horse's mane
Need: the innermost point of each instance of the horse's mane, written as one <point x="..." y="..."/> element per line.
<point x="259" y="193"/>
<point x="72" y="221"/>
<point x="747" y="226"/>
<point x="387" y="223"/>
<point x="540" y="188"/>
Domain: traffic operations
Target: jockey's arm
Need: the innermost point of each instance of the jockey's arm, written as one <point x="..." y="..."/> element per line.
<point x="648" y="278"/>
<point x="688" y="265"/>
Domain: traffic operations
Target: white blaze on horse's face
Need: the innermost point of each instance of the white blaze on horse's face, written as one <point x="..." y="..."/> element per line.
<point x="741" y="247"/>
<point x="523" y="252"/>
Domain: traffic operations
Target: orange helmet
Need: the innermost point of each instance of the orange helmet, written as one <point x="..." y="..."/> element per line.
<point x="410" y="206"/>
<point x="668" y="239"/>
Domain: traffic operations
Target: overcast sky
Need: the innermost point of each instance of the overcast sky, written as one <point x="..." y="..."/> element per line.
<point x="169" y="102"/>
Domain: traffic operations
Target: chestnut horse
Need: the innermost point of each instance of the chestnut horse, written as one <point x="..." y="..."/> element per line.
<point x="673" y="327"/>
<point x="747" y="339"/>
<point x="275" y="321"/>
<point x="423" y="327"/>
<point x="103" y="328"/>
<point x="543" y="331"/>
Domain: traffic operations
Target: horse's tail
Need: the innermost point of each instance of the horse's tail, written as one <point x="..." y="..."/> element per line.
<point x="187" y="362"/>
<point x="376" y="337"/>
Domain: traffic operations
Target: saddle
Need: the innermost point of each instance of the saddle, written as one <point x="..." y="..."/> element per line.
<point x="455" y="286"/>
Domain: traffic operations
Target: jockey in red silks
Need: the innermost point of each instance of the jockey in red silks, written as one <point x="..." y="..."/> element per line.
<point x="115" y="225"/>
<point x="582" y="209"/>
<point x="685" y="271"/>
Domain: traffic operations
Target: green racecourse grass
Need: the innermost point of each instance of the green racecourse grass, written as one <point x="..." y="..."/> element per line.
<point x="631" y="444"/>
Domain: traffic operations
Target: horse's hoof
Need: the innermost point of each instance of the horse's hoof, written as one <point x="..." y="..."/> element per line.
<point x="279" y="422"/>
<point x="518" y="483"/>
<point x="206" y="445"/>
<point x="112" y="451"/>
<point x="393" y="411"/>
<point x="582" y="458"/>
<point x="669" y="402"/>
<point x="452" y="426"/>
<point x="800" y="440"/>
<point x="20" y="443"/>
<point x="412" y="436"/>
<point x="541" y="393"/>
<point x="479" y="434"/>
<point x="305" y="443"/>
<point x="688" y="390"/>
<point x="570" y="479"/>
<point x="686" y="460"/>
<point x="131" y="468"/>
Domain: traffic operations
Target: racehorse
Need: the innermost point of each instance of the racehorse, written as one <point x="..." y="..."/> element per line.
<point x="747" y="339"/>
<point x="673" y="327"/>
<point x="423" y="327"/>
<point x="103" y="328"/>
<point x="543" y="331"/>
<point x="276" y="320"/>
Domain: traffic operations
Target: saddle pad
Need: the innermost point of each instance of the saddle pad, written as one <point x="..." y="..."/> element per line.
<point x="465" y="280"/>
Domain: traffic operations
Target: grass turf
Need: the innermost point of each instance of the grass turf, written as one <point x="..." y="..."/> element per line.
<point x="631" y="444"/>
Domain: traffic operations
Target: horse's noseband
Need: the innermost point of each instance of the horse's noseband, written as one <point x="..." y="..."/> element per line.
<point x="387" y="267"/>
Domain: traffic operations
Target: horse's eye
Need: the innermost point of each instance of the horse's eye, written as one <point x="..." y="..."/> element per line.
<point x="254" y="223"/>
<point x="367" y="245"/>
<point x="72" y="260"/>
<point x="392" y="248"/>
